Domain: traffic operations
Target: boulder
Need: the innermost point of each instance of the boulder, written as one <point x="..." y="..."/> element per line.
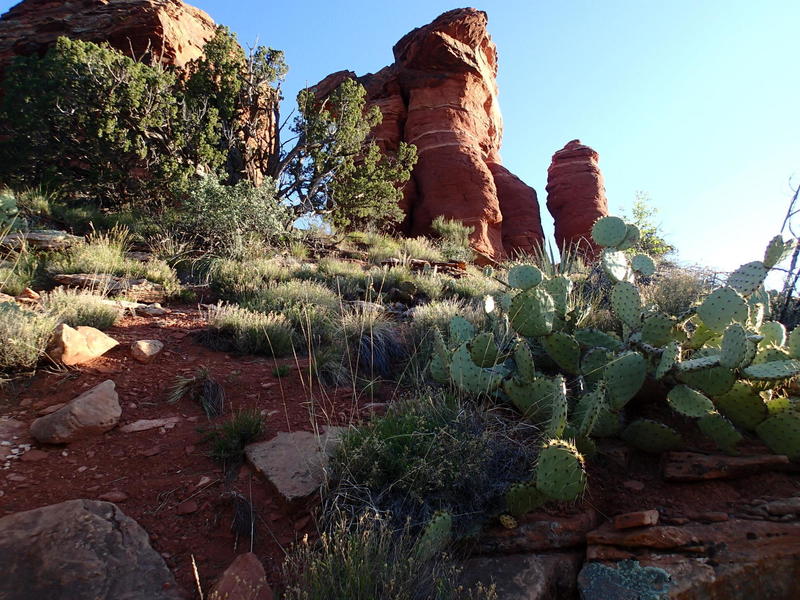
<point x="80" y="549"/>
<point x="441" y="95"/>
<point x="146" y="350"/>
<point x="294" y="463"/>
<point x="244" y="579"/>
<point x="576" y="196"/>
<point x="44" y="239"/>
<point x="525" y="576"/>
<point x="539" y="531"/>
<point x="95" y="411"/>
<point x="76" y="346"/>
<point x="693" y="466"/>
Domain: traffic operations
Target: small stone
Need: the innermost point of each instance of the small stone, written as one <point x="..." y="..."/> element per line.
<point x="644" y="518"/>
<point x="204" y="480"/>
<point x="93" y="412"/>
<point x="186" y="508"/>
<point x="783" y="507"/>
<point x="16" y="477"/>
<point x="145" y="424"/>
<point x="152" y="451"/>
<point x="713" y="517"/>
<point x="79" y="345"/>
<point x="146" y="350"/>
<point x="113" y="496"/>
<point x="631" y="484"/>
<point x="82" y="469"/>
<point x="244" y="578"/>
<point x="33" y="456"/>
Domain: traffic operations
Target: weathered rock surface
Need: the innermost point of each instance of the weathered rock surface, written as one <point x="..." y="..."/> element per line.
<point x="692" y="466"/>
<point x="576" y="196"/>
<point x="95" y="411"/>
<point x="146" y="350"/>
<point x="44" y="239"/>
<point x="75" y="346"/>
<point x="80" y="549"/>
<point x="148" y="424"/>
<point x="244" y="579"/>
<point x="294" y="463"/>
<point x="171" y="31"/>
<point x="441" y="95"/>
<point x="138" y="290"/>
<point x="539" y="531"/>
<point x="526" y="576"/>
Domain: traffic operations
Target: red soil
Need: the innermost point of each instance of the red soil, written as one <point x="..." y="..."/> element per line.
<point x="161" y="469"/>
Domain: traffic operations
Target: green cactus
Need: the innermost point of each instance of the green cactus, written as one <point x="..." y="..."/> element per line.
<point x="524" y="277"/>
<point x="532" y="313"/>
<point x="594" y="363"/>
<point x="722" y="307"/>
<point x="564" y="350"/>
<point x="589" y="408"/>
<point x="699" y="363"/>
<point x="522" y="498"/>
<point x="461" y="331"/>
<point x="734" y="347"/>
<point x="669" y="358"/>
<point x="559" y="288"/>
<point x="721" y="430"/>
<point x="9" y="213"/>
<point x="470" y="377"/>
<point x="534" y="398"/>
<point x="643" y="265"/>
<point x="689" y="402"/>
<point x="436" y="535"/>
<point x="779" y="404"/>
<point x="594" y="338"/>
<point x="781" y="432"/>
<point x="609" y="231"/>
<point x="439" y="366"/>
<point x="558" y="409"/>
<point x="652" y="436"/>
<point x="523" y="359"/>
<point x="748" y="278"/>
<point x="483" y="350"/>
<point x="658" y="329"/>
<point x="713" y="381"/>
<point x="632" y="237"/>
<point x="626" y="304"/>
<point x="624" y="376"/>
<point x="773" y="370"/>
<point x="773" y="332"/>
<point x="615" y="264"/>
<point x="560" y="471"/>
<point x="777" y="250"/>
<point x="743" y="406"/>
<point x="793" y="343"/>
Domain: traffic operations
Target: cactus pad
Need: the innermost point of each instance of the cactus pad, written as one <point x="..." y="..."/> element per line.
<point x="714" y="381"/>
<point x="461" y="331"/>
<point x="533" y="399"/>
<point x="439" y="370"/>
<point x="632" y="237"/>
<point x="616" y="265"/>
<point x="436" y="535"/>
<point x="748" y="278"/>
<point x="594" y="363"/>
<point x="643" y="265"/>
<point x="669" y="358"/>
<point x="593" y="338"/>
<point x="558" y="409"/>
<point x="721" y="430"/>
<point x="722" y="307"/>
<point x="470" y="377"/>
<point x="609" y="231"/>
<point x="782" y="433"/>
<point x="624" y="376"/>
<point x="689" y="402"/>
<point x="652" y="436"/>
<point x="589" y="408"/>
<point x="560" y="473"/>
<point x="658" y="329"/>
<point x="734" y="347"/>
<point x="532" y="313"/>
<point x="483" y="350"/>
<point x="626" y="304"/>
<point x="774" y="370"/>
<point x="700" y="363"/>
<point x="559" y="288"/>
<point x="522" y="498"/>
<point x="793" y="343"/>
<point x="524" y="277"/>
<point x="564" y="350"/>
<point x="489" y="304"/>
<point x="777" y="250"/>
<point x="743" y="405"/>
<point x="773" y="332"/>
<point x="524" y="361"/>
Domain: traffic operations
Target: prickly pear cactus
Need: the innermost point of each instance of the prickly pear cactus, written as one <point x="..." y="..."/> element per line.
<point x="777" y="250"/>
<point x="560" y="471"/>
<point x="722" y="307"/>
<point x="532" y="313"/>
<point x="436" y="535"/>
<point x="564" y="350"/>
<point x="522" y="498"/>
<point x="524" y="277"/>
<point x="652" y="436"/>
<point x="9" y="213"/>
<point x="609" y="231"/>
<point x="781" y="433"/>
<point x="643" y="264"/>
<point x="689" y="402"/>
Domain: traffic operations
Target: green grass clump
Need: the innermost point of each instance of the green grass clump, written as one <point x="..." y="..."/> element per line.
<point x="24" y="335"/>
<point x="475" y="285"/>
<point x="281" y="371"/>
<point x="421" y="248"/>
<point x="368" y="559"/>
<point x="18" y="271"/>
<point x="202" y="388"/>
<point x="233" y="328"/>
<point x="426" y="317"/>
<point x="237" y="279"/>
<point x="229" y="439"/>
<point x="76" y="308"/>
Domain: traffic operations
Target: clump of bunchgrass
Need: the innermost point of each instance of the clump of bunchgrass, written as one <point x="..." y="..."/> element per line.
<point x="202" y="388"/>
<point x="233" y="328"/>
<point x="421" y="248"/>
<point x="237" y="279"/>
<point x="24" y="335"/>
<point x="18" y="270"/>
<point x="228" y="440"/>
<point x="281" y="371"/>
<point x="75" y="308"/>
<point x="373" y="342"/>
<point x="474" y="285"/>
<point x="454" y="238"/>
<point x="437" y="314"/>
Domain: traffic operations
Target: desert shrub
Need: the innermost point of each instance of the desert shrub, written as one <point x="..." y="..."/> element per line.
<point x="384" y="279"/>
<point x="200" y="387"/>
<point x="299" y="250"/>
<point x="221" y="218"/>
<point x="421" y="248"/>
<point x="348" y="279"/>
<point x="453" y="238"/>
<point x="674" y="289"/>
<point x="24" y="335"/>
<point x="426" y="317"/>
<point x="236" y="279"/>
<point x="80" y="308"/>
<point x="373" y="342"/>
<point x="428" y="454"/>
<point x="292" y="294"/>
<point x="367" y="559"/>
<point x="235" y="328"/>
<point x="475" y="285"/>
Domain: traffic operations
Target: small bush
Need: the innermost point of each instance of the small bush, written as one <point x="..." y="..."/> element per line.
<point x="233" y="328"/>
<point x="373" y="343"/>
<point x="367" y="560"/>
<point x="474" y="286"/>
<point x="229" y="439"/>
<point x="24" y="336"/>
<point x="453" y="238"/>
<point x="674" y="289"/>
<point x="80" y="308"/>
<point x="18" y="271"/>
<point x="281" y="371"/>
<point x="426" y="317"/>
<point x="421" y="248"/>
<point x="236" y="279"/>
<point x="201" y="388"/>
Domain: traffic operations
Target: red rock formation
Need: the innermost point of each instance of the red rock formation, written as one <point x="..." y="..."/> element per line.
<point x="576" y="195"/>
<point x="173" y="31"/>
<point x="441" y="95"/>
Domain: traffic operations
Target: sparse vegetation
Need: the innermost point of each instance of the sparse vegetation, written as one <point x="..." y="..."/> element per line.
<point x="24" y="335"/>
<point x="80" y="308"/>
<point x="229" y="439"/>
<point x="233" y="328"/>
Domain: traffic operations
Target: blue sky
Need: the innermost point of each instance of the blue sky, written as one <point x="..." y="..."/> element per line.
<point x="694" y="102"/>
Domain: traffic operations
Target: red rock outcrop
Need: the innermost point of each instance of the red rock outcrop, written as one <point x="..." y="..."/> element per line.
<point x="441" y="95"/>
<point x="576" y="195"/>
<point x="172" y="31"/>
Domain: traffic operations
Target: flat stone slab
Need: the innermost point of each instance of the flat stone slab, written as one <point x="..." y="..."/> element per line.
<point x="80" y="549"/>
<point x="538" y="531"/>
<point x="692" y="466"/>
<point x="525" y="576"/>
<point x="295" y="463"/>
